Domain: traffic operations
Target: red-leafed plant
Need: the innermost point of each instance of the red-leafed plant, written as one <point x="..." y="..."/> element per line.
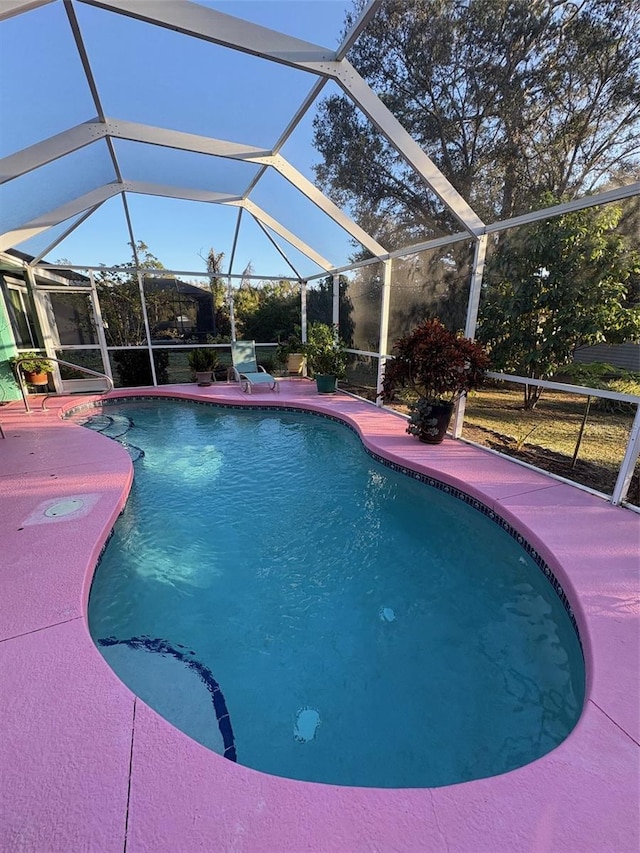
<point x="439" y="365"/>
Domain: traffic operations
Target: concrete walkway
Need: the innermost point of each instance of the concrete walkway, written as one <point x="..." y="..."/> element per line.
<point x="86" y="766"/>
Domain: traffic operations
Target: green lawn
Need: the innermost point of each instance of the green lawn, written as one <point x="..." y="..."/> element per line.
<point x="554" y="423"/>
<point x="546" y="436"/>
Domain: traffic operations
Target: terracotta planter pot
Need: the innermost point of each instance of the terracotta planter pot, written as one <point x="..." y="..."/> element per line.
<point x="36" y="378"/>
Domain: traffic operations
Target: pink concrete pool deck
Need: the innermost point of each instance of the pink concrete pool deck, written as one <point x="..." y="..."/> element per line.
<point x="86" y="766"/>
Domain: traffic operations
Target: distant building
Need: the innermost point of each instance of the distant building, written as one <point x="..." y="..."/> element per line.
<point x="626" y="356"/>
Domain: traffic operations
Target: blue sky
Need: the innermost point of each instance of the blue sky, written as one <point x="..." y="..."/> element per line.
<point x="166" y="79"/>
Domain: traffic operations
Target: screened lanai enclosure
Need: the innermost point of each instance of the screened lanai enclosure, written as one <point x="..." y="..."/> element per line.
<point x="179" y="174"/>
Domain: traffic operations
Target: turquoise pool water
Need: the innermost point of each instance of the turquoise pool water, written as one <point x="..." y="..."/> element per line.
<point x="293" y="604"/>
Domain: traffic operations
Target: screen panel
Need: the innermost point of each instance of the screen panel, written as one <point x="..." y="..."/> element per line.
<point x="45" y="90"/>
<point x="161" y="165"/>
<point x="54" y="184"/>
<point x="167" y="79"/>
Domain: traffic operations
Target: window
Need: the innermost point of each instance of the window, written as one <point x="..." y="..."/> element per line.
<point x="21" y="316"/>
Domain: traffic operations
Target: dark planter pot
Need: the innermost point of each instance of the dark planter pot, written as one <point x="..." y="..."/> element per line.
<point x="325" y="383"/>
<point x="433" y="422"/>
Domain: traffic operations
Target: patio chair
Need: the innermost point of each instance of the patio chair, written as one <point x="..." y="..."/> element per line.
<point x="245" y="368"/>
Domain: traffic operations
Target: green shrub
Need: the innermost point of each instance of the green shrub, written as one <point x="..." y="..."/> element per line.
<point x="628" y="384"/>
<point x="202" y="359"/>
<point x="134" y="368"/>
<point x="326" y="351"/>
<point x="592" y="374"/>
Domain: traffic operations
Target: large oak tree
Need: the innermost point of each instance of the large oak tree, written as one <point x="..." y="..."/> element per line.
<point x="510" y="98"/>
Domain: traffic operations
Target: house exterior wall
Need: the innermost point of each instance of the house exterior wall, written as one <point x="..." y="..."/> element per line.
<point x="8" y="386"/>
<point x="626" y="356"/>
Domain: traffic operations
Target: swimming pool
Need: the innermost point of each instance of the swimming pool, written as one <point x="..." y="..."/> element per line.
<point x="292" y="603"/>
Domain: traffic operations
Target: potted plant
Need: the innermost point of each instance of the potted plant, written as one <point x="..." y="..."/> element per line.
<point x="35" y="368"/>
<point x="290" y="353"/>
<point x="440" y="367"/>
<point x="202" y="362"/>
<point x="326" y="356"/>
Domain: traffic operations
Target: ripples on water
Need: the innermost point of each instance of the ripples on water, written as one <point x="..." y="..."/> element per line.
<point x="410" y="639"/>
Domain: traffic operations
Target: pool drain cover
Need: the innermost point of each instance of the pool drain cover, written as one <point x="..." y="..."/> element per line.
<point x="64" y="508"/>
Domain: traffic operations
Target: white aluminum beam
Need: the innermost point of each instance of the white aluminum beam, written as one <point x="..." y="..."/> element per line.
<point x="84" y="134"/>
<point x="606" y="197"/>
<point x="628" y="463"/>
<point x="298" y="180"/>
<point x="235" y="242"/>
<point x="84" y="59"/>
<point x="582" y="390"/>
<point x="50" y="149"/>
<point x="9" y="8"/>
<point x="135" y="132"/>
<point x="145" y="319"/>
<point x="300" y="113"/>
<point x="201" y="273"/>
<point x="383" y="345"/>
<point x="428" y="245"/>
<point x="358" y="26"/>
<point x="95" y="197"/>
<point x="195" y="20"/>
<point x="303" y="316"/>
<point x="473" y="305"/>
<point x="371" y="105"/>
<point x="99" y="323"/>
<point x="475" y="288"/>
<point x="404" y="252"/>
<point x="278" y="248"/>
<point x="283" y="232"/>
<point x="148" y="188"/>
<point x="64" y="234"/>
<point x="365" y="16"/>
<point x="59" y="214"/>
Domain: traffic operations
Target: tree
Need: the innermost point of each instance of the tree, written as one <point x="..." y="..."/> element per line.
<point x="320" y="306"/>
<point x="510" y="98"/>
<point x="269" y="311"/>
<point x="214" y="268"/>
<point x="121" y="309"/>
<point x="556" y="285"/>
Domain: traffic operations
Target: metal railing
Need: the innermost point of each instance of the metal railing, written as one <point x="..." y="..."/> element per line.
<point x="23" y="390"/>
<point x="632" y="451"/>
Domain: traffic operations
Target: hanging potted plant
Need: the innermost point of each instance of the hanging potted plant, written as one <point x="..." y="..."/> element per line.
<point x="203" y="362"/>
<point x="326" y="356"/>
<point x="440" y="367"/>
<point x="35" y="368"/>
